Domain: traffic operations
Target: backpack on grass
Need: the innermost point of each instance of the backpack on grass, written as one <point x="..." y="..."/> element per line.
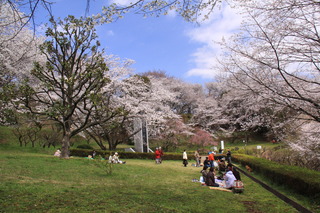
<point x="238" y="186"/>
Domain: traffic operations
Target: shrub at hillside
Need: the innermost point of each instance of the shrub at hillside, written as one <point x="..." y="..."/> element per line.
<point x="301" y="180"/>
<point x="85" y="146"/>
<point x="128" y="155"/>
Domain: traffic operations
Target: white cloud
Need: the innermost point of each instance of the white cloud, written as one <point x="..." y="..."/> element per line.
<point x="41" y="29"/>
<point x="109" y="33"/>
<point x="172" y="13"/>
<point x="122" y="2"/>
<point x="221" y="25"/>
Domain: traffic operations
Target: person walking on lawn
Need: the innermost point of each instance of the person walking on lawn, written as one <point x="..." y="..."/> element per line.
<point x="185" y="158"/>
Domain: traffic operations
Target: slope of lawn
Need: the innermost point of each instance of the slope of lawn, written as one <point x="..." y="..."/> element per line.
<point x="42" y="183"/>
<point x="32" y="180"/>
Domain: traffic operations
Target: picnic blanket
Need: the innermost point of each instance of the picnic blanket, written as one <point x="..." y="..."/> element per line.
<point x="220" y="189"/>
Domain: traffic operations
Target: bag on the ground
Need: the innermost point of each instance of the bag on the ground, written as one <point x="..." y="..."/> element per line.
<point x="215" y="164"/>
<point x="238" y="186"/>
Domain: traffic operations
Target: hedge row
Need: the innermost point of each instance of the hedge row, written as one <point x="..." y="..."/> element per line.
<point x="126" y="155"/>
<point x="301" y="180"/>
<point x="131" y="155"/>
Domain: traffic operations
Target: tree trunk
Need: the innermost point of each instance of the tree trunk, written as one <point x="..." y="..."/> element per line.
<point x="100" y="144"/>
<point x="247" y="137"/>
<point x="112" y="146"/>
<point x="103" y="147"/>
<point x="65" y="146"/>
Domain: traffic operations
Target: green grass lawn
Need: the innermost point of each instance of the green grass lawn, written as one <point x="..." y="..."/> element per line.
<point x="32" y="180"/>
<point x="37" y="182"/>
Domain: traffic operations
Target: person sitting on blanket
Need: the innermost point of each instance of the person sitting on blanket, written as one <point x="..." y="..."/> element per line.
<point x="210" y="181"/>
<point x="222" y="165"/>
<point x="204" y="173"/>
<point x="110" y="160"/>
<point x="116" y="159"/>
<point x="206" y="162"/>
<point x="229" y="177"/>
<point x="236" y="173"/>
<point x="57" y="153"/>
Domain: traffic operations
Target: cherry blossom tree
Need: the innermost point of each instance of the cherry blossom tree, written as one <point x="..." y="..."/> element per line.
<point x="132" y="96"/>
<point x="234" y="111"/>
<point x="206" y="114"/>
<point x="159" y="102"/>
<point x="125" y="98"/>
<point x="278" y="50"/>
<point x="186" y="95"/>
<point x="170" y="133"/>
<point x="249" y="113"/>
<point x="276" y="55"/>
<point x="30" y="7"/>
<point x="18" y="50"/>
<point x="202" y="138"/>
<point x="189" y="10"/>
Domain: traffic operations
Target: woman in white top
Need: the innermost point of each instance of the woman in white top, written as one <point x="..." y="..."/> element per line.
<point x="116" y="158"/>
<point x="185" y="158"/>
<point x="229" y="178"/>
<point x="57" y="153"/>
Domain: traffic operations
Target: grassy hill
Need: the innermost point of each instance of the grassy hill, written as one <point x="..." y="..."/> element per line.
<point x="32" y="180"/>
<point x="42" y="183"/>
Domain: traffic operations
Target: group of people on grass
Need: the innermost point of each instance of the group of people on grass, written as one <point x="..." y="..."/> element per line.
<point x="216" y="178"/>
<point x="219" y="174"/>
<point x="209" y="161"/>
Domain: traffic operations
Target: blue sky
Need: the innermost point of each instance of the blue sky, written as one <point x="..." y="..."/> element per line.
<point x="167" y="43"/>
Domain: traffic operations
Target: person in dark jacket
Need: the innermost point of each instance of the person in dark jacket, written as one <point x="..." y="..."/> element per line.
<point x="161" y="154"/>
<point x="222" y="165"/>
<point x="204" y="173"/>
<point x="206" y="162"/>
<point x="210" y="178"/>
<point x="229" y="156"/>
<point x="236" y="173"/>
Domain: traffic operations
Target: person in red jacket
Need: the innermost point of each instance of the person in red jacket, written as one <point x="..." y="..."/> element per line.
<point x="157" y="155"/>
<point x="211" y="158"/>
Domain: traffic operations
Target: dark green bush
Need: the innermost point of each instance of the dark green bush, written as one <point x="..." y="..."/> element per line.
<point x="301" y="180"/>
<point x="85" y="146"/>
<point x="128" y="155"/>
<point x="80" y="152"/>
